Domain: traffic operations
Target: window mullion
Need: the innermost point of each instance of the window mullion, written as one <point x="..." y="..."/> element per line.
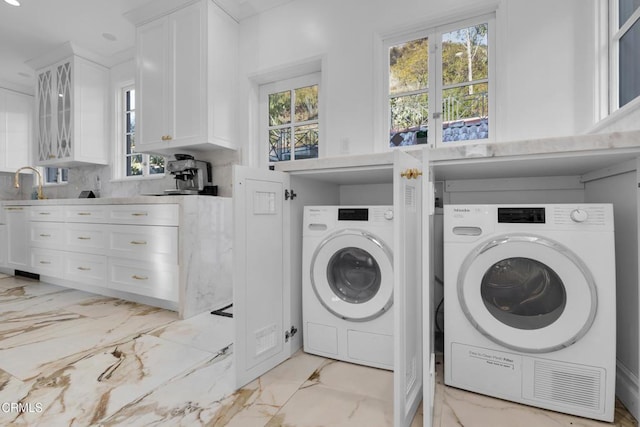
<point x="635" y="16"/>
<point x="435" y="94"/>
<point x="292" y="135"/>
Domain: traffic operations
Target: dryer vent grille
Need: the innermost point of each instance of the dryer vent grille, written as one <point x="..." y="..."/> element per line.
<point x="568" y="385"/>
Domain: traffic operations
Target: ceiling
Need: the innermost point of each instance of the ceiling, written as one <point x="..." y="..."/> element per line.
<point x="39" y="26"/>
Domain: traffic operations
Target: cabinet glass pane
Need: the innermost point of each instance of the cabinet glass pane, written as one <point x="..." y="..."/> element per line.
<point x="626" y="9"/>
<point x="44" y="115"/>
<point x="64" y="110"/>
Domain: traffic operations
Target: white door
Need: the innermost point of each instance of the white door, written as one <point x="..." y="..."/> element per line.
<point x="187" y="74"/>
<point x="428" y="283"/>
<point x="152" y="40"/>
<point x="261" y="228"/>
<point x="408" y="267"/>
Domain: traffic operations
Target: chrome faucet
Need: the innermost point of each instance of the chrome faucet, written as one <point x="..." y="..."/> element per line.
<point x="16" y="180"/>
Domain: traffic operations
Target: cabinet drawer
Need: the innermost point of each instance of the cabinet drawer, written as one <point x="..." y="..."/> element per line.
<point x="144" y="214"/>
<point x="87" y="269"/>
<point x="46" y="234"/>
<point x="149" y="243"/>
<point x="89" y="238"/>
<point x="46" y="213"/>
<point x="156" y="280"/>
<point x="85" y="213"/>
<point x="47" y="262"/>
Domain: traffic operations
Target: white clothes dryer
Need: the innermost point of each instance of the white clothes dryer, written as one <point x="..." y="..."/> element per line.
<point x="347" y="288"/>
<point x="530" y="310"/>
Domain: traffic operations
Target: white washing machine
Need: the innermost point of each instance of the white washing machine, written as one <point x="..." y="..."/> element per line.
<point x="530" y="312"/>
<point x="347" y="288"/>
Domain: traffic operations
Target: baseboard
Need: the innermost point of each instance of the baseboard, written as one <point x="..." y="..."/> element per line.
<point x="627" y="388"/>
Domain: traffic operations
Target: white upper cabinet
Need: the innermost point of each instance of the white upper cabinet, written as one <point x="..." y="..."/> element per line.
<point x="16" y="130"/>
<point x="71" y="113"/>
<point x="186" y="80"/>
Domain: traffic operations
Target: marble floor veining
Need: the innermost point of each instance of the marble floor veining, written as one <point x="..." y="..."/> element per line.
<point x="71" y="358"/>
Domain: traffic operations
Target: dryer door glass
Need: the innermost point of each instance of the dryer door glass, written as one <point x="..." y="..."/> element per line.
<point x="353" y="275"/>
<point x="523" y="293"/>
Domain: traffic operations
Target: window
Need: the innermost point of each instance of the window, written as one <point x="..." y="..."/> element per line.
<point x="133" y="163"/>
<point x="439" y="84"/>
<point x="290" y="119"/>
<point x="625" y="48"/>
<point x="56" y="175"/>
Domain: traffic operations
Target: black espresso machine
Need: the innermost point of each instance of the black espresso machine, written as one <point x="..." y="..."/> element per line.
<point x="191" y="176"/>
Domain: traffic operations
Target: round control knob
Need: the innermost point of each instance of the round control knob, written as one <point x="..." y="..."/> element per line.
<point x="388" y="214"/>
<point x="579" y="215"/>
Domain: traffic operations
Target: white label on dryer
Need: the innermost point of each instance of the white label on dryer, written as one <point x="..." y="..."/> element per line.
<point x="493" y="372"/>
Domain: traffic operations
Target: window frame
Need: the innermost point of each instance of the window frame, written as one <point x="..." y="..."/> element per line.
<point x="434" y="32"/>
<point x="289" y="84"/>
<point x="59" y="176"/>
<point x="120" y="156"/>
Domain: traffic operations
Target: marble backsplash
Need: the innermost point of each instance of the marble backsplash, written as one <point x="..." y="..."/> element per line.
<point x="98" y="179"/>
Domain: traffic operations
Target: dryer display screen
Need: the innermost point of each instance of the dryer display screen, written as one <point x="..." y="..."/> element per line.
<point x="521" y="215"/>
<point x="353" y="214"/>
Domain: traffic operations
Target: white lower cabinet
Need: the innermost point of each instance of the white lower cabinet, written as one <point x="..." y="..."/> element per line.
<point x="86" y="268"/>
<point x="47" y="262"/>
<point x="17" y="236"/>
<point x="157" y="280"/>
<point x="128" y="248"/>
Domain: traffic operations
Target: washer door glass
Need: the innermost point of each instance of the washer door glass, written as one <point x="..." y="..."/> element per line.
<point x="354" y="275"/>
<point x="523" y="293"/>
<point x="527" y="293"/>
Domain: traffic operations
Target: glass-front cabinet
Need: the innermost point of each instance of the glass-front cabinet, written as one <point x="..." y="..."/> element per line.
<point x="71" y="113"/>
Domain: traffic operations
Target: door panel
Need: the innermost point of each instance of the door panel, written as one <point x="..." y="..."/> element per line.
<point x="260" y="285"/>
<point x="428" y="285"/>
<point x="408" y="265"/>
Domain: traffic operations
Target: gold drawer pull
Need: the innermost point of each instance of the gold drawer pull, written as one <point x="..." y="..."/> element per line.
<point x="138" y="242"/>
<point x="84" y="238"/>
<point x="14" y="209"/>
<point x="45" y="235"/>
<point x="52" y="156"/>
<point x="45" y="262"/>
<point x="44" y="213"/>
<point x="139" y="214"/>
<point x="166" y="137"/>
<point x="84" y="213"/>
<point x="136" y="277"/>
<point x="84" y="268"/>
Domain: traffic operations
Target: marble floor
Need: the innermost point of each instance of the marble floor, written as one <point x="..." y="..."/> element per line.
<point x="70" y="358"/>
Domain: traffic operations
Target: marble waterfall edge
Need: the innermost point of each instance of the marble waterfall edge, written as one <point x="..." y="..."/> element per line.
<point x="206" y="272"/>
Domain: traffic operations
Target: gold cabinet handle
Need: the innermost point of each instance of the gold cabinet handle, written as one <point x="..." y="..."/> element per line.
<point x="52" y="156"/>
<point x="45" y="235"/>
<point x="84" y="268"/>
<point x="138" y="242"/>
<point x="411" y="173"/>
<point x="84" y="213"/>
<point x="45" y="262"/>
<point x="84" y="238"/>
<point x="140" y="214"/>
<point x="44" y="213"/>
<point x="166" y="137"/>
<point x="14" y="209"/>
<point x="136" y="277"/>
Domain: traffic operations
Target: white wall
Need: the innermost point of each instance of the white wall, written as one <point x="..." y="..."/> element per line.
<point x="545" y="63"/>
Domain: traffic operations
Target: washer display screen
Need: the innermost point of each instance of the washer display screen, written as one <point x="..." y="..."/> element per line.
<point x="523" y="293"/>
<point x="353" y="274"/>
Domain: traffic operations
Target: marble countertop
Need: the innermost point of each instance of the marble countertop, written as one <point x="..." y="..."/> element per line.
<point x="572" y="155"/>
<point x="142" y="200"/>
